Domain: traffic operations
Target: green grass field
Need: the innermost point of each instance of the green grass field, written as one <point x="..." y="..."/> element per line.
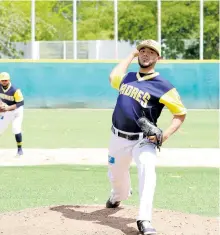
<point x="191" y="190"/>
<point x="72" y="128"/>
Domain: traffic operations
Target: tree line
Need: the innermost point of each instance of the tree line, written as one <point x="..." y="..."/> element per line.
<point x="137" y="20"/>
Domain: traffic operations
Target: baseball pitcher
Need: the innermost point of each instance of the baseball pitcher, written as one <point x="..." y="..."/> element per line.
<point x="141" y="98"/>
<point x="11" y="109"/>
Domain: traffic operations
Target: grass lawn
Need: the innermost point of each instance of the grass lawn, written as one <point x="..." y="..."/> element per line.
<point x="192" y="190"/>
<point x="73" y="128"/>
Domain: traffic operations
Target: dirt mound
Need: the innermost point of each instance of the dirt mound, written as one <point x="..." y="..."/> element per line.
<point x="97" y="220"/>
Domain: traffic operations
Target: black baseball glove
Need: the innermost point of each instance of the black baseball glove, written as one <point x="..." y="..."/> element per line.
<point x="3" y="106"/>
<point x="149" y="129"/>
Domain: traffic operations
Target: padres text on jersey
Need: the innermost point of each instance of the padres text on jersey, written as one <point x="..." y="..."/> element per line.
<point x="143" y="95"/>
<point x="11" y="96"/>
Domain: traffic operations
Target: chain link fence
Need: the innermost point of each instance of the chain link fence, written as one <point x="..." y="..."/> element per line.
<point x="96" y="49"/>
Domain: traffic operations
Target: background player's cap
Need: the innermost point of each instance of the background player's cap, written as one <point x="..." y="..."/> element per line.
<point x="4" y="76"/>
<point x="150" y="44"/>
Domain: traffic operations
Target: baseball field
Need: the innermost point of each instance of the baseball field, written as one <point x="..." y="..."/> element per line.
<point x="70" y="199"/>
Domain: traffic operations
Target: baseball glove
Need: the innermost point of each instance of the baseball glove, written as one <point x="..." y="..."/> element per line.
<point x="3" y="106"/>
<point x="149" y="129"/>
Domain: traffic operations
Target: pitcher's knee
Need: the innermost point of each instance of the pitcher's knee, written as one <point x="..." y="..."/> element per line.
<point x="16" y="130"/>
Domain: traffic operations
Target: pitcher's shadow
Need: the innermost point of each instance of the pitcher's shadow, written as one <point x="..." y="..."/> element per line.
<point x="101" y="217"/>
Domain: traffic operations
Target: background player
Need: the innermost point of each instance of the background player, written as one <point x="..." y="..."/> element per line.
<point x="12" y="112"/>
<point x="143" y="93"/>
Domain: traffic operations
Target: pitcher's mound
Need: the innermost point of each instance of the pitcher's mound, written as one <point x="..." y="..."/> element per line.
<point x="97" y="220"/>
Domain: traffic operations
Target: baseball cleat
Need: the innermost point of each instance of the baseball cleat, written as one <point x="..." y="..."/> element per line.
<point x="109" y="204"/>
<point x="145" y="227"/>
<point x="19" y="153"/>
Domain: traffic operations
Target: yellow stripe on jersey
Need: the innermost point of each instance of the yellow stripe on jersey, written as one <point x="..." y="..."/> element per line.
<point x="116" y="81"/>
<point x="18" y="96"/>
<point x="172" y="101"/>
<point x="147" y="77"/>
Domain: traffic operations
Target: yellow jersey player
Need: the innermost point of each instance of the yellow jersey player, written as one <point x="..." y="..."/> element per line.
<point x="141" y="94"/>
<point x="11" y="109"/>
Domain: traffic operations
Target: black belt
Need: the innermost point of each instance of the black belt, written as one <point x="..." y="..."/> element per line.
<point x="126" y="136"/>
